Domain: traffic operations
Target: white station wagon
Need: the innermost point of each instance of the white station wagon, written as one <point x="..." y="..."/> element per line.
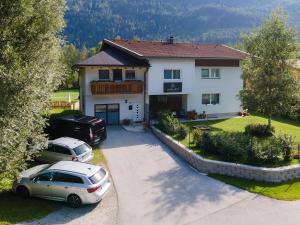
<point x="73" y="182"/>
<point x="67" y="149"/>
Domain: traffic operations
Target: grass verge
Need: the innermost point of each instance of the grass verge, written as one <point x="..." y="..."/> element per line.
<point x="287" y="191"/>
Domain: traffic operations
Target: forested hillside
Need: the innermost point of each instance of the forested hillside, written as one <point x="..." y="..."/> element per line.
<point x="89" y="21"/>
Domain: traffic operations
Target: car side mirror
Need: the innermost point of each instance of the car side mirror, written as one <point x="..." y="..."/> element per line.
<point x="34" y="180"/>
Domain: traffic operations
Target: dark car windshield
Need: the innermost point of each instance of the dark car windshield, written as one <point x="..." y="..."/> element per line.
<point x="97" y="177"/>
<point x="81" y="149"/>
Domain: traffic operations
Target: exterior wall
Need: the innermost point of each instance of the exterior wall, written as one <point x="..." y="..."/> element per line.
<point x="274" y="175"/>
<point x="156" y="75"/>
<point x="82" y="87"/>
<point x="124" y="102"/>
<point x="228" y="85"/>
<point x="91" y="74"/>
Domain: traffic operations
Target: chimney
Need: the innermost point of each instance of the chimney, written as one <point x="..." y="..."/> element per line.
<point x="170" y="40"/>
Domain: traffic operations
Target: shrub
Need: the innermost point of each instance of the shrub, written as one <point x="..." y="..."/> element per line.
<point x="197" y="135"/>
<point x="232" y="146"/>
<point x="286" y="144"/>
<point x="264" y="152"/>
<point x="181" y="132"/>
<point x="259" y="130"/>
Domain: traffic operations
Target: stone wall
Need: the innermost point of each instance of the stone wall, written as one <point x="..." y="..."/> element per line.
<point x="274" y="175"/>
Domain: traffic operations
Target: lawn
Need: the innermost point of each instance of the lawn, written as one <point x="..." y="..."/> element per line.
<point x="283" y="191"/>
<point x="63" y="95"/>
<point x="238" y="125"/>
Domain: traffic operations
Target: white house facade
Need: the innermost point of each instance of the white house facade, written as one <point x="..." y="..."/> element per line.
<point x="136" y="79"/>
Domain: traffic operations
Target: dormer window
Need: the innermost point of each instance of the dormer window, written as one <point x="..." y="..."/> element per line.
<point x="104" y="75"/>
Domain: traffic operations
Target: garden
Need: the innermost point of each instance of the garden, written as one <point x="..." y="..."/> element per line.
<point x="246" y="140"/>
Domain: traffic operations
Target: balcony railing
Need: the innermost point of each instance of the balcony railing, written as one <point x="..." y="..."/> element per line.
<point x="114" y="88"/>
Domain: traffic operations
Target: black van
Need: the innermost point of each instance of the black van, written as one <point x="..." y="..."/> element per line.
<point x="89" y="129"/>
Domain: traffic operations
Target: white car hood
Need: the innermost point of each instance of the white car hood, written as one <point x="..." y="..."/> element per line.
<point x="34" y="170"/>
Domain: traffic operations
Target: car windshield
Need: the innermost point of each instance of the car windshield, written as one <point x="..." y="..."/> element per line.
<point x="97" y="177"/>
<point x="81" y="149"/>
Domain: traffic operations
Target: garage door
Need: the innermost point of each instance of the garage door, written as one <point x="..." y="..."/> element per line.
<point x="109" y="112"/>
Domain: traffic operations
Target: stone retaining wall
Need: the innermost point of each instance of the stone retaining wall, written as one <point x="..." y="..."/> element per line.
<point x="203" y="165"/>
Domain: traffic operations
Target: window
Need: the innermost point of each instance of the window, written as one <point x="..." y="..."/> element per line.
<point x="171" y="74"/>
<point x="44" y="177"/>
<point x="215" y="99"/>
<point x="168" y="74"/>
<point x="104" y="75"/>
<point x="130" y="75"/>
<point x="210" y="73"/>
<point x="208" y="99"/>
<point x="215" y="73"/>
<point x="205" y="99"/>
<point x="205" y="73"/>
<point x="62" y="150"/>
<point x="81" y="149"/>
<point x="67" y="178"/>
<point x="97" y="177"/>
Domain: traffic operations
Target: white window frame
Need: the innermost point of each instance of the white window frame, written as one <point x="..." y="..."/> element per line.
<point x="210" y="73"/>
<point x="210" y="98"/>
<point x="109" y="76"/>
<point x="134" y="74"/>
<point x="202" y="77"/>
<point x="172" y="75"/>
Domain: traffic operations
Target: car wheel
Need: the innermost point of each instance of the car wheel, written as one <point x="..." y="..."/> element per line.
<point x="74" y="201"/>
<point x="23" y="192"/>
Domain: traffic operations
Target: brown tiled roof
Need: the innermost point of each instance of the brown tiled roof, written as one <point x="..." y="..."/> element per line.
<point x="112" y="57"/>
<point x="177" y="50"/>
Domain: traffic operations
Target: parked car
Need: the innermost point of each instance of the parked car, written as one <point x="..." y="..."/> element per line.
<point x="89" y="129"/>
<point x="66" y="149"/>
<point x="74" y="182"/>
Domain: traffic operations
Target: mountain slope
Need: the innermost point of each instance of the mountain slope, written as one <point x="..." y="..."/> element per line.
<point x="89" y="21"/>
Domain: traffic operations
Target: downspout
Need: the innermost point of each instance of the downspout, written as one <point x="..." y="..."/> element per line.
<point x="145" y="109"/>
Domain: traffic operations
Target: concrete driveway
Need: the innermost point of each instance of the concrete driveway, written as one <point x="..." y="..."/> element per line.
<point x="154" y="186"/>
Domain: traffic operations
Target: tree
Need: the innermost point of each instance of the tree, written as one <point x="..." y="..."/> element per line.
<point x="270" y="86"/>
<point x="30" y="70"/>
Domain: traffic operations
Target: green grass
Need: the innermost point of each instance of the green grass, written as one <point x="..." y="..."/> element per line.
<point x="283" y="191"/>
<point x="99" y="158"/>
<point x="238" y="125"/>
<point x="63" y="95"/>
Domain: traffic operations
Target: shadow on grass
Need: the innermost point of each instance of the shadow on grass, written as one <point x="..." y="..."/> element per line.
<point x="14" y="209"/>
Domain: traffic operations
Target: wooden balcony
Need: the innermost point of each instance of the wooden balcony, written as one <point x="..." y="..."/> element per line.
<point x="116" y="88"/>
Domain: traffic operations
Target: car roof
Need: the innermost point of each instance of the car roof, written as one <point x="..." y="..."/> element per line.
<point x="82" y="119"/>
<point x="75" y="167"/>
<point x="67" y="142"/>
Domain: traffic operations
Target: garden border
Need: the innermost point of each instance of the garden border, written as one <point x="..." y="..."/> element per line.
<point x="274" y="175"/>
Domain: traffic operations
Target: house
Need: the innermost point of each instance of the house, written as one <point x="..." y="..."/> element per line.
<point x="136" y="79"/>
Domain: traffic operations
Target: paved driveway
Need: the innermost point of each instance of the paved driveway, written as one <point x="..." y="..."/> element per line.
<point x="155" y="187"/>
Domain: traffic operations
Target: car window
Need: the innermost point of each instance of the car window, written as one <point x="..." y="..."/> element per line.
<point x="68" y="178"/>
<point x="98" y="176"/>
<point x="44" y="177"/>
<point x="81" y="149"/>
<point x="62" y="150"/>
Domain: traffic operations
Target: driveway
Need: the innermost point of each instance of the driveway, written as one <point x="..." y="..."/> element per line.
<point x="154" y="186"/>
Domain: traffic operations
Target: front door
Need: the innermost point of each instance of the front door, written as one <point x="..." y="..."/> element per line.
<point x="109" y="112"/>
<point x="117" y="75"/>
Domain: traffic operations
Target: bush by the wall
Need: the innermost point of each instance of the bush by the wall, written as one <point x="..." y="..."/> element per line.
<point x="259" y="130"/>
<point x="197" y="137"/>
<point x="286" y="144"/>
<point x="181" y="132"/>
